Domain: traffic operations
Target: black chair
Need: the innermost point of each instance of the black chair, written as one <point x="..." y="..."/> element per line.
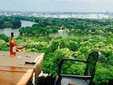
<point x="86" y="79"/>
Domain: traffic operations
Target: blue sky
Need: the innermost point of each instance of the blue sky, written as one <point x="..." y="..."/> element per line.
<point x="57" y="5"/>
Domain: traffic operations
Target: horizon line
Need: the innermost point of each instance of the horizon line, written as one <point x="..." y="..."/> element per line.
<point x="58" y="11"/>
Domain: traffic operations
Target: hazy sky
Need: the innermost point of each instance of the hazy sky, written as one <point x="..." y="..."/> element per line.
<point x="57" y="5"/>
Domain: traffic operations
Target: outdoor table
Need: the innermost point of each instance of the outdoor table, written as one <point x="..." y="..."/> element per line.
<point x="22" y="68"/>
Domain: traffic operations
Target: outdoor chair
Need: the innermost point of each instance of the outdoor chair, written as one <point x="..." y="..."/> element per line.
<point x="86" y="79"/>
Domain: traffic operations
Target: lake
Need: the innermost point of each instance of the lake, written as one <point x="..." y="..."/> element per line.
<point x="62" y="34"/>
<point x="7" y="31"/>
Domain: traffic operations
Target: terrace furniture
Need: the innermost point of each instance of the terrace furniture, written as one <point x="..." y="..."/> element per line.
<point x="86" y="79"/>
<point x="21" y="69"/>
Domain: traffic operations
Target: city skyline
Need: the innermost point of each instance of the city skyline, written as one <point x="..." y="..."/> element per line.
<point x="57" y="5"/>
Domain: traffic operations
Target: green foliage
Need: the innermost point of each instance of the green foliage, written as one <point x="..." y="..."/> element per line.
<point x="53" y="45"/>
<point x="9" y="21"/>
<point x="73" y="45"/>
<point x="62" y="53"/>
<point x="89" y="35"/>
<point x="4" y="37"/>
<point x="103" y="74"/>
<point x="7" y="24"/>
<point x="58" y="55"/>
<point x="4" y="42"/>
<point x="4" y="45"/>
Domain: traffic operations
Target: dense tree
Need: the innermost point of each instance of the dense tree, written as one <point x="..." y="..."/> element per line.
<point x="12" y="22"/>
<point x="90" y="35"/>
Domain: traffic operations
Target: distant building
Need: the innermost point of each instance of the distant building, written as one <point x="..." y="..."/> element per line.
<point x="61" y="31"/>
<point x="107" y="13"/>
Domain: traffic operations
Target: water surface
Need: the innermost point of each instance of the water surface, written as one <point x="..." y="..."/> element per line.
<point x="7" y="31"/>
